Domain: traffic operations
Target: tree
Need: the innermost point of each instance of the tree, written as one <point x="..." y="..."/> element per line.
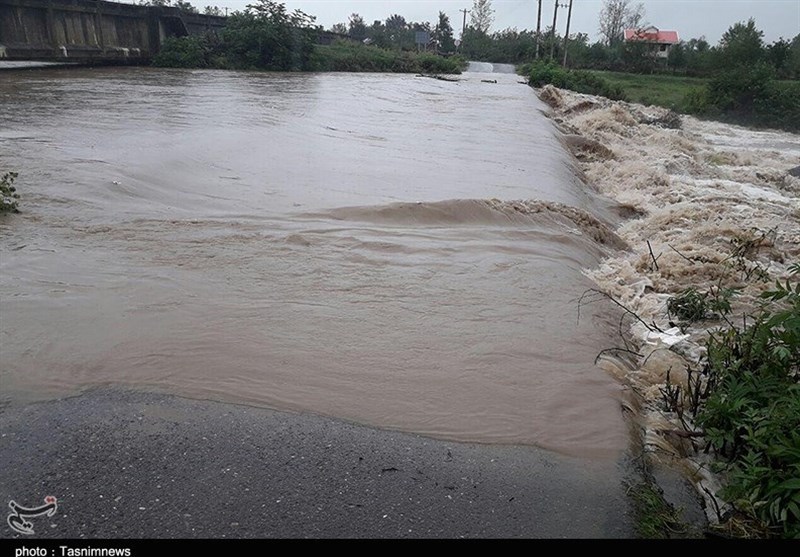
<point x="794" y="63"/>
<point x="340" y="28"/>
<point x="185" y="6"/>
<point x="268" y="37"/>
<point x="616" y="16"/>
<point x="213" y="10"/>
<point x="779" y="55"/>
<point x="742" y="45"/>
<point x="443" y="34"/>
<point x="396" y="22"/>
<point x="482" y="16"/>
<point x="677" y="56"/>
<point x="356" y="27"/>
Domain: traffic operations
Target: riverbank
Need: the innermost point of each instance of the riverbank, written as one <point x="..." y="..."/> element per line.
<point x="341" y="56"/>
<point x="712" y="208"/>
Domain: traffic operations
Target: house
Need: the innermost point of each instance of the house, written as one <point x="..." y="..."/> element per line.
<point x="661" y="41"/>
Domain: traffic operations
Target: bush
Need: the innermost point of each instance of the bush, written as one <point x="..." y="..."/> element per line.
<point x="751" y="415"/>
<point x="749" y="96"/>
<point x="541" y="73"/>
<point x="8" y="193"/>
<point x="346" y="56"/>
<point x="183" y="52"/>
<point x="737" y="90"/>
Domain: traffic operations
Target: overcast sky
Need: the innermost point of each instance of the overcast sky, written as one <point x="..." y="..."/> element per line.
<point x="691" y="18"/>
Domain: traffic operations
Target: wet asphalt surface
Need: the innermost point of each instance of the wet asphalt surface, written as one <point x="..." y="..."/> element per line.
<point x="140" y="465"/>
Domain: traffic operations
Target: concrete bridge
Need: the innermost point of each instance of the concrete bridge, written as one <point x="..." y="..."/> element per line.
<point x="92" y="31"/>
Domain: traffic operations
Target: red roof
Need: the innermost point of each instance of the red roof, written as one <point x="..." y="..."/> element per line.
<point x="652" y="35"/>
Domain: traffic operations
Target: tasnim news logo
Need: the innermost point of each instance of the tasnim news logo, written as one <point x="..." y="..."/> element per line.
<point x="17" y="520"/>
<point x="67" y="551"/>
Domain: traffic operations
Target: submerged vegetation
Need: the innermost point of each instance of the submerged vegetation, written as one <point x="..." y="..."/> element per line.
<point x="9" y="198"/>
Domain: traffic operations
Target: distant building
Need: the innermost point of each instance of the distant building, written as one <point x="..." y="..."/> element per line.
<point x="661" y="41"/>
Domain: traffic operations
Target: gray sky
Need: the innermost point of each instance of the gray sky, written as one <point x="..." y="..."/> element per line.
<point x="691" y="18"/>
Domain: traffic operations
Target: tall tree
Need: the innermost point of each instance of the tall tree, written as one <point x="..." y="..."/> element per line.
<point x="395" y="22"/>
<point x="742" y="44"/>
<point x="356" y="27"/>
<point x="443" y="33"/>
<point x="482" y="16"/>
<point x="616" y="16"/>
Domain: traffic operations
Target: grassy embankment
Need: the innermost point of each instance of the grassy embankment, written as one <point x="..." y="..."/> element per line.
<point x="669" y="91"/>
<point x="748" y="95"/>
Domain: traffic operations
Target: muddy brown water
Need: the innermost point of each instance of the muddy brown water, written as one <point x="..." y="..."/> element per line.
<point x="342" y="244"/>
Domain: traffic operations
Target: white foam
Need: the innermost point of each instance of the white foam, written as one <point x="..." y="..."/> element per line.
<point x="700" y="190"/>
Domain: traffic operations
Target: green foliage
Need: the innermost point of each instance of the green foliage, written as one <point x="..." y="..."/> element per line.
<point x="749" y="95"/>
<point x="655" y="517"/>
<point x="443" y="34"/>
<point x="737" y="90"/>
<point x="352" y="57"/>
<point x="266" y="36"/>
<point x="183" y="52"/>
<point x="541" y="73"/>
<point x="481" y="16"/>
<point x="356" y="27"/>
<point x="692" y="305"/>
<point x="742" y="45"/>
<point x="8" y="193"/>
<point x="751" y="415"/>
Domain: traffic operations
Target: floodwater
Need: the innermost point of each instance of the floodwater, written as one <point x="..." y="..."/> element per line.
<point x="393" y="250"/>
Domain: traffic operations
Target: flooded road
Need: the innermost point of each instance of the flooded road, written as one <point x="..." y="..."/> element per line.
<point x="397" y="251"/>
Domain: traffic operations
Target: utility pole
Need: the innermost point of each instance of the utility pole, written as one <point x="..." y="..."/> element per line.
<point x="553" y="33"/>
<point x="538" y="28"/>
<point x="566" y="36"/>
<point x="463" y="29"/>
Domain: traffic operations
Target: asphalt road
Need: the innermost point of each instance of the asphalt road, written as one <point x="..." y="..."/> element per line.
<point x="130" y="464"/>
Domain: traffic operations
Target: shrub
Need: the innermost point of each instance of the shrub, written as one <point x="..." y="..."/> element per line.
<point x="183" y="52"/>
<point x="751" y="415"/>
<point x="737" y="90"/>
<point x="748" y="95"/>
<point x="541" y="73"/>
<point x="353" y="57"/>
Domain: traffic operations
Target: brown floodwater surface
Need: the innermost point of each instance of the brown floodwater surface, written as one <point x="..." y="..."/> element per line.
<point x="345" y="244"/>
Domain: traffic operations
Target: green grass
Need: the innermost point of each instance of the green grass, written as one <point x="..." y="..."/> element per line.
<point x="655" y="517"/>
<point x="668" y="91"/>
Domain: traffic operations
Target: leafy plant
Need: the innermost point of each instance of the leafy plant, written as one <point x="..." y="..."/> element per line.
<point x="691" y="305"/>
<point x="183" y="52"/>
<point x="8" y="193"/>
<point x="751" y="415"/>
